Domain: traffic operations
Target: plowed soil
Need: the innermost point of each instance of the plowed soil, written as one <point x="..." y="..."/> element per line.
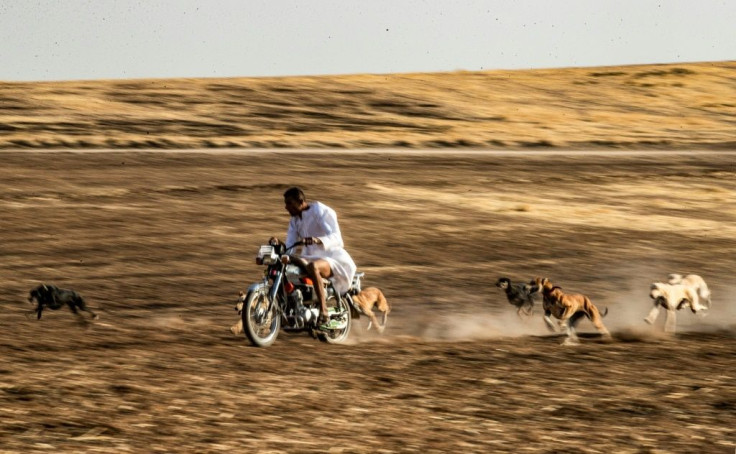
<point x="159" y="244"/>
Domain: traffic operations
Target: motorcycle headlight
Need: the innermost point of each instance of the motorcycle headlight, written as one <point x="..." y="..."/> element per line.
<point x="267" y="255"/>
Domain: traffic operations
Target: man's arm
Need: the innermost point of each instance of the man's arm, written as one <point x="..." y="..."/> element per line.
<point x="333" y="238"/>
<point x="291" y="234"/>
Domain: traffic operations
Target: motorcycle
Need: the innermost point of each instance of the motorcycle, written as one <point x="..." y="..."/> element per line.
<point x="286" y="299"/>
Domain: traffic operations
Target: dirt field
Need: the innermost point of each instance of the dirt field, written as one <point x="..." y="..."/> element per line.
<point x="162" y="242"/>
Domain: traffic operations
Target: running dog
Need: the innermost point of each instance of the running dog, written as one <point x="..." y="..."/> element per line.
<point x="696" y="283"/>
<point x="520" y="296"/>
<point x="238" y="327"/>
<point x="672" y="297"/>
<point x="366" y="300"/>
<point x="568" y="308"/>
<point x="54" y="298"/>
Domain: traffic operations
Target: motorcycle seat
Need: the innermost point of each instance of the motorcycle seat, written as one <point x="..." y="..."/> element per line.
<point x="308" y="281"/>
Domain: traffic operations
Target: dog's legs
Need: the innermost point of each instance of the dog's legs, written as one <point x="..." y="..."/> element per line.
<point x="572" y="337"/>
<point x="525" y="309"/>
<point x="601" y="328"/>
<point x="32" y="311"/>
<point x="237" y="328"/>
<point x="569" y="318"/>
<point x="695" y="305"/>
<point x="73" y="307"/>
<point x="83" y="307"/>
<point x="80" y="318"/>
<point x="373" y="321"/>
<point x="705" y="295"/>
<point x="575" y="319"/>
<point x="550" y="324"/>
<point x="383" y="307"/>
<point x="595" y="318"/>
<point x="91" y="313"/>
<point x="529" y="308"/>
<point x="670" y="322"/>
<point x="39" y="309"/>
<point x="652" y="317"/>
<point x="384" y="320"/>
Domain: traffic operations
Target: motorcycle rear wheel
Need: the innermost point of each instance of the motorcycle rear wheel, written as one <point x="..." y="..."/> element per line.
<point x="340" y="308"/>
<point x="260" y="325"/>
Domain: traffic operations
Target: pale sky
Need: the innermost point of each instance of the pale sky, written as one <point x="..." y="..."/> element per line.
<point x="124" y="39"/>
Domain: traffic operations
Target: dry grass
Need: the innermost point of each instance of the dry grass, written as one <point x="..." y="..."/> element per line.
<point x="667" y="106"/>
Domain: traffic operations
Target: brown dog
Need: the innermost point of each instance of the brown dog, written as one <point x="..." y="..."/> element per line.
<point x="568" y="308"/>
<point x="237" y="328"/>
<point x="366" y="300"/>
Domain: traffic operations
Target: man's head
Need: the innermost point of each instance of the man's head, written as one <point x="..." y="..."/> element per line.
<point x="295" y="201"/>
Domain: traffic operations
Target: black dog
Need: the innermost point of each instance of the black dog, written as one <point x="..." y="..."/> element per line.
<point x="54" y="298"/>
<point x="519" y="295"/>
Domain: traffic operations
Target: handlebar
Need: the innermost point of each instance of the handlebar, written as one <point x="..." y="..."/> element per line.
<point x="282" y="250"/>
<point x="298" y="243"/>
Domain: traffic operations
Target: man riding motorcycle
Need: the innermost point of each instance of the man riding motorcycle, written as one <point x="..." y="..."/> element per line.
<point x="323" y="255"/>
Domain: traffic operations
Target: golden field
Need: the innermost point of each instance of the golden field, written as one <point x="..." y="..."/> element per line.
<point x="662" y="106"/>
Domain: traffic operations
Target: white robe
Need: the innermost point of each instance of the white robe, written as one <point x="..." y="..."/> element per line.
<point x="320" y="221"/>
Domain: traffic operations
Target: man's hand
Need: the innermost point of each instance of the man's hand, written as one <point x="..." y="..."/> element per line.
<point x="312" y="240"/>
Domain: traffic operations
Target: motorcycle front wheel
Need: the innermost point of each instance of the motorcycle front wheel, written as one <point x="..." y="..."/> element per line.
<point x="260" y="325"/>
<point x="340" y="311"/>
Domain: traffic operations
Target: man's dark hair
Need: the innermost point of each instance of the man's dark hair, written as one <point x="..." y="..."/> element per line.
<point x="294" y="193"/>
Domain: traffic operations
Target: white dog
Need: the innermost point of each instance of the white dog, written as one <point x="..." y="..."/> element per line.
<point x="672" y="297"/>
<point x="694" y="281"/>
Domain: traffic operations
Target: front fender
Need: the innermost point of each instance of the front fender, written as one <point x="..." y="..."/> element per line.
<point x="255" y="287"/>
<point x="258" y="285"/>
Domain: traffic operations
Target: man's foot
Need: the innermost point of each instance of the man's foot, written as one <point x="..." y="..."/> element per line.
<point x="323" y="318"/>
<point x="330" y="324"/>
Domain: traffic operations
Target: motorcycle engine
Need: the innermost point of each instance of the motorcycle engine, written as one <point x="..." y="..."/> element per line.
<point x="301" y="313"/>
